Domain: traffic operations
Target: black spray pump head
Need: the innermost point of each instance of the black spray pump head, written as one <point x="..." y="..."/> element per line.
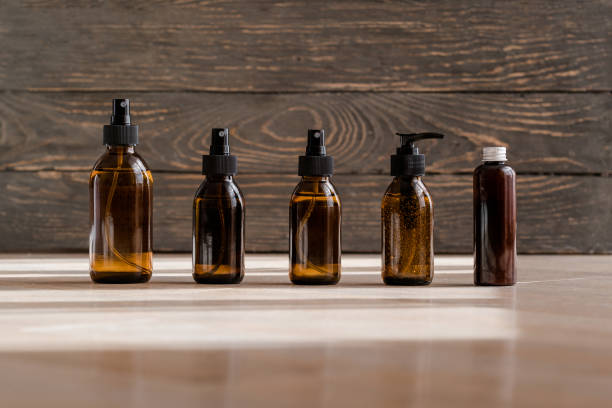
<point x="316" y="142"/>
<point x="120" y="131"/>
<point x="316" y="162"/>
<point x="219" y="161"/>
<point x="121" y="112"/>
<point x="219" y="143"/>
<point x="408" y="161"/>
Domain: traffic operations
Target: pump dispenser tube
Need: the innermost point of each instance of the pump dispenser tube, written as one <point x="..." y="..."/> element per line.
<point x="121" y="200"/>
<point x="315" y="218"/>
<point x="407" y="217"/>
<point x="218" y="217"/>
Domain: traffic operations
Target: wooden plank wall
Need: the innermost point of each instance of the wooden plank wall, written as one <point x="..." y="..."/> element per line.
<point x="535" y="76"/>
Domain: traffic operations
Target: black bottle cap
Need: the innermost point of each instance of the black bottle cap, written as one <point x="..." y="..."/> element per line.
<point x="120" y="131"/>
<point x="219" y="161"/>
<point x="316" y="162"/>
<point x="407" y="161"/>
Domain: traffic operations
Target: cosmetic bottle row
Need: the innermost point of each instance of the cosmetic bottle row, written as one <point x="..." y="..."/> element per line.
<point x="121" y="198"/>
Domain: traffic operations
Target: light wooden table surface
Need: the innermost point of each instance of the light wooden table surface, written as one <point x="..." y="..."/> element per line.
<point x="67" y="342"/>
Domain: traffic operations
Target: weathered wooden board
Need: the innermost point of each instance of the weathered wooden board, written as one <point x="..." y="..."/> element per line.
<point x="547" y="132"/>
<point x="272" y="69"/>
<point x="560" y="214"/>
<point x="246" y="45"/>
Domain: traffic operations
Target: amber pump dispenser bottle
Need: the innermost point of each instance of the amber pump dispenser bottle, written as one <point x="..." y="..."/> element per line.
<point x="407" y="217"/>
<point x="315" y="218"/>
<point x="218" y="217"/>
<point x="494" y="220"/>
<point x="120" y="206"/>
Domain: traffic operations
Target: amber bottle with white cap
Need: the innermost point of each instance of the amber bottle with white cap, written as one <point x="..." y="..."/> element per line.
<point x="494" y="220"/>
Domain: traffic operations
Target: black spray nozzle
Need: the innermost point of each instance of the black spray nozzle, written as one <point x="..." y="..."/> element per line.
<point x="316" y="162"/>
<point x="121" y="131"/>
<point x="316" y="142"/>
<point x="219" y="144"/>
<point x="219" y="161"/>
<point x="408" y="139"/>
<point x="121" y="112"/>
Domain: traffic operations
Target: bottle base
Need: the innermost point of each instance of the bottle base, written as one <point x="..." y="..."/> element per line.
<point x="406" y="281"/>
<point x="323" y="274"/>
<point x="487" y="277"/>
<point x="119" y="277"/>
<point x="313" y="282"/>
<point x="494" y="284"/>
<point x="218" y="279"/>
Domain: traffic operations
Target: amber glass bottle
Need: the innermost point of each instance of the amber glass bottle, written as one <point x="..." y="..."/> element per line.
<point x="120" y="203"/>
<point x="315" y="218"/>
<point x="407" y="225"/>
<point x="494" y="220"/>
<point x="218" y="217"/>
<point x="407" y="218"/>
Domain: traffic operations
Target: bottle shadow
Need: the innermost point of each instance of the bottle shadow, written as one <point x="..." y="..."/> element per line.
<point x="186" y="282"/>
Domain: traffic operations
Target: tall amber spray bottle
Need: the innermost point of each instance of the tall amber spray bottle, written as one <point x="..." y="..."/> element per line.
<point x="218" y="217"/>
<point x="120" y="206"/>
<point x="494" y="220"/>
<point x="407" y="217"/>
<point x="315" y="218"/>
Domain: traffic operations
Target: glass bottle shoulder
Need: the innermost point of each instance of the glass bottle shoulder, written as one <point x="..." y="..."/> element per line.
<point x="318" y="188"/>
<point x="406" y="194"/>
<point x="223" y="188"/>
<point x="407" y="187"/>
<point x="494" y="169"/>
<point x="121" y="160"/>
<point x="121" y="165"/>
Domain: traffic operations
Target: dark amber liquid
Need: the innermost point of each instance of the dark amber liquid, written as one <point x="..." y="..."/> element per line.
<point x="218" y="232"/>
<point x="494" y="225"/>
<point x="407" y="233"/>
<point x="121" y="199"/>
<point x="314" y="233"/>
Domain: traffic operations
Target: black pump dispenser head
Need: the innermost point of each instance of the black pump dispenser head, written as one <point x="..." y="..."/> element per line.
<point x="219" y="161"/>
<point x="407" y="161"/>
<point x="316" y="162"/>
<point x="120" y="131"/>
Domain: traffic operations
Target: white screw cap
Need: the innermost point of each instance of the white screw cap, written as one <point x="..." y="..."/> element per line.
<point x="493" y="154"/>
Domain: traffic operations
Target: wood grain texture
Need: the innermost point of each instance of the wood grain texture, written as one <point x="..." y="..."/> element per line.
<point x="245" y="45"/>
<point x="269" y="70"/>
<point x="557" y="214"/>
<point x="548" y="132"/>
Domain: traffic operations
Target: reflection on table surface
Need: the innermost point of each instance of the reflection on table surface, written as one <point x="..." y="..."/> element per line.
<point x="547" y="340"/>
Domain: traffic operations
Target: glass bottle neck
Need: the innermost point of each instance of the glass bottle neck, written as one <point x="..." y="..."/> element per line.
<point x="120" y="149"/>
<point x="315" y="179"/>
<point x="494" y="163"/>
<point x="219" y="177"/>
<point x="417" y="178"/>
